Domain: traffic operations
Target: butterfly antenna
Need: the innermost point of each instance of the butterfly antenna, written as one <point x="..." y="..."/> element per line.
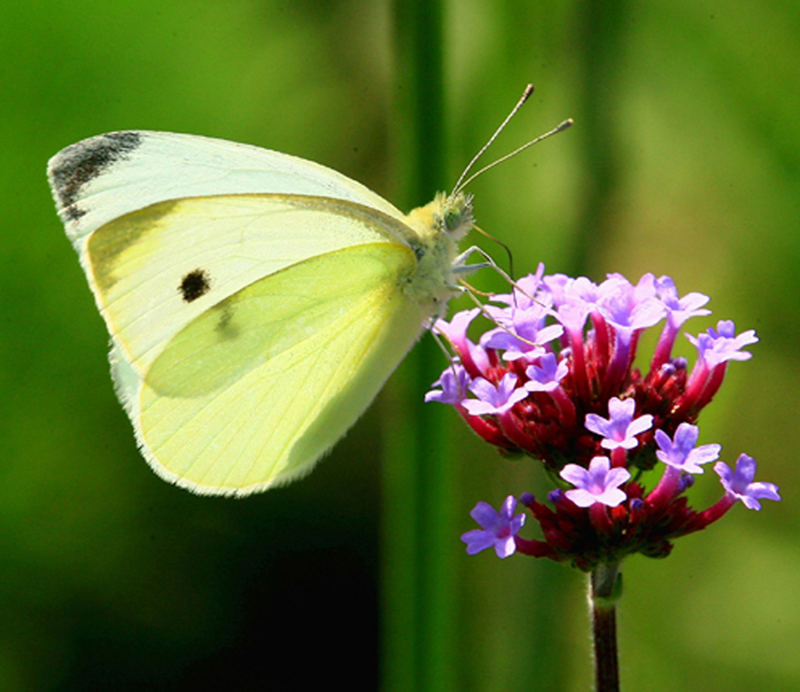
<point x="525" y="96"/>
<point x="559" y="128"/>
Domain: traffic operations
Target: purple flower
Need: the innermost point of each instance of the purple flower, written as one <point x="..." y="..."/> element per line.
<point x="493" y="399"/>
<point x="680" y="452"/>
<point x="620" y="428"/>
<point x="740" y="483"/>
<point x="522" y="332"/>
<point x="722" y="345"/>
<point x="454" y="382"/>
<point x="628" y="307"/>
<point x="499" y="528"/>
<point x="574" y="299"/>
<point x="455" y="331"/>
<point x="545" y="376"/>
<point x="680" y="309"/>
<point x="473" y="357"/>
<point x="600" y="483"/>
<point x="568" y="291"/>
<point x="573" y="316"/>
<point x="526" y="291"/>
<point x="558" y="356"/>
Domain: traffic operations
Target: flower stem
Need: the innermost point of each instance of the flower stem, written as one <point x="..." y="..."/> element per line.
<point x="606" y="588"/>
<point x="419" y="635"/>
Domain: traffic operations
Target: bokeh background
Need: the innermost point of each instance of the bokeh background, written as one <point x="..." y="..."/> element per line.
<point x="684" y="160"/>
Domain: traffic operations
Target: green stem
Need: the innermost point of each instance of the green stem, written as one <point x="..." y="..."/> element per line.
<point x="601" y="28"/>
<point x="419" y="630"/>
<point x="605" y="590"/>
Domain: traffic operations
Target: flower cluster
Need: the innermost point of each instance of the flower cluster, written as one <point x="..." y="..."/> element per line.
<point x="554" y="378"/>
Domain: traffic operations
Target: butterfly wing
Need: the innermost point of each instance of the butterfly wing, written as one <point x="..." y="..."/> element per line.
<point x="253" y="391"/>
<point x="156" y="269"/>
<point x="256" y="302"/>
<point x="102" y="178"/>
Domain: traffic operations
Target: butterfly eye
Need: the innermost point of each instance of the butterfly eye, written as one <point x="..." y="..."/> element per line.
<point x="456" y="215"/>
<point x="452" y="219"/>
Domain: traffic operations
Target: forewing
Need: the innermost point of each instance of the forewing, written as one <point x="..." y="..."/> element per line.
<point x="101" y="178"/>
<point x="252" y="393"/>
<point x="155" y="270"/>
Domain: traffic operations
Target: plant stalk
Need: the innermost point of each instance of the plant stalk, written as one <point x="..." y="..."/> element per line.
<point x="605" y="590"/>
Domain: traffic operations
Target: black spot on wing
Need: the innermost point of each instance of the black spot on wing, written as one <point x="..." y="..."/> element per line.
<point x="82" y="162"/>
<point x="194" y="285"/>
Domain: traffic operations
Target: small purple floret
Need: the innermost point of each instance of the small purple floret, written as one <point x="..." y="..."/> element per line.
<point x="680" y="309"/>
<point x="721" y="345"/>
<point x="545" y="376"/>
<point x="681" y="453"/>
<point x="599" y="483"/>
<point x="630" y="308"/>
<point x="522" y="332"/>
<point x="740" y="483"/>
<point x="620" y="428"/>
<point x="498" y="528"/>
<point x="455" y="331"/>
<point x="491" y="399"/>
<point x="454" y="382"/>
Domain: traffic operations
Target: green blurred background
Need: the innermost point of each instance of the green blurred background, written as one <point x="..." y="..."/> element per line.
<point x="684" y="160"/>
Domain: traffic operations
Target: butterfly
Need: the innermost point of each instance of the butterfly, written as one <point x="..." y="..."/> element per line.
<point x="256" y="301"/>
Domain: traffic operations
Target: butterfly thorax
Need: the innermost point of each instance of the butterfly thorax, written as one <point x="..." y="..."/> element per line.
<point x="437" y="228"/>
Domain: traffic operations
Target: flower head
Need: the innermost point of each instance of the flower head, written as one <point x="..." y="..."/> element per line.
<point x="553" y="377"/>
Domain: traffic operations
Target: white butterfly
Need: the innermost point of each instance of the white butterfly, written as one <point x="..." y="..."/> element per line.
<point x="256" y="301"/>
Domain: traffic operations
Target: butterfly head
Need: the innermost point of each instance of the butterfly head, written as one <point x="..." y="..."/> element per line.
<point x="448" y="216"/>
<point x="455" y="214"/>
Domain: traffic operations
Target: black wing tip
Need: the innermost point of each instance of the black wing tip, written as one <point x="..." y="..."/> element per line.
<point x="78" y="164"/>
